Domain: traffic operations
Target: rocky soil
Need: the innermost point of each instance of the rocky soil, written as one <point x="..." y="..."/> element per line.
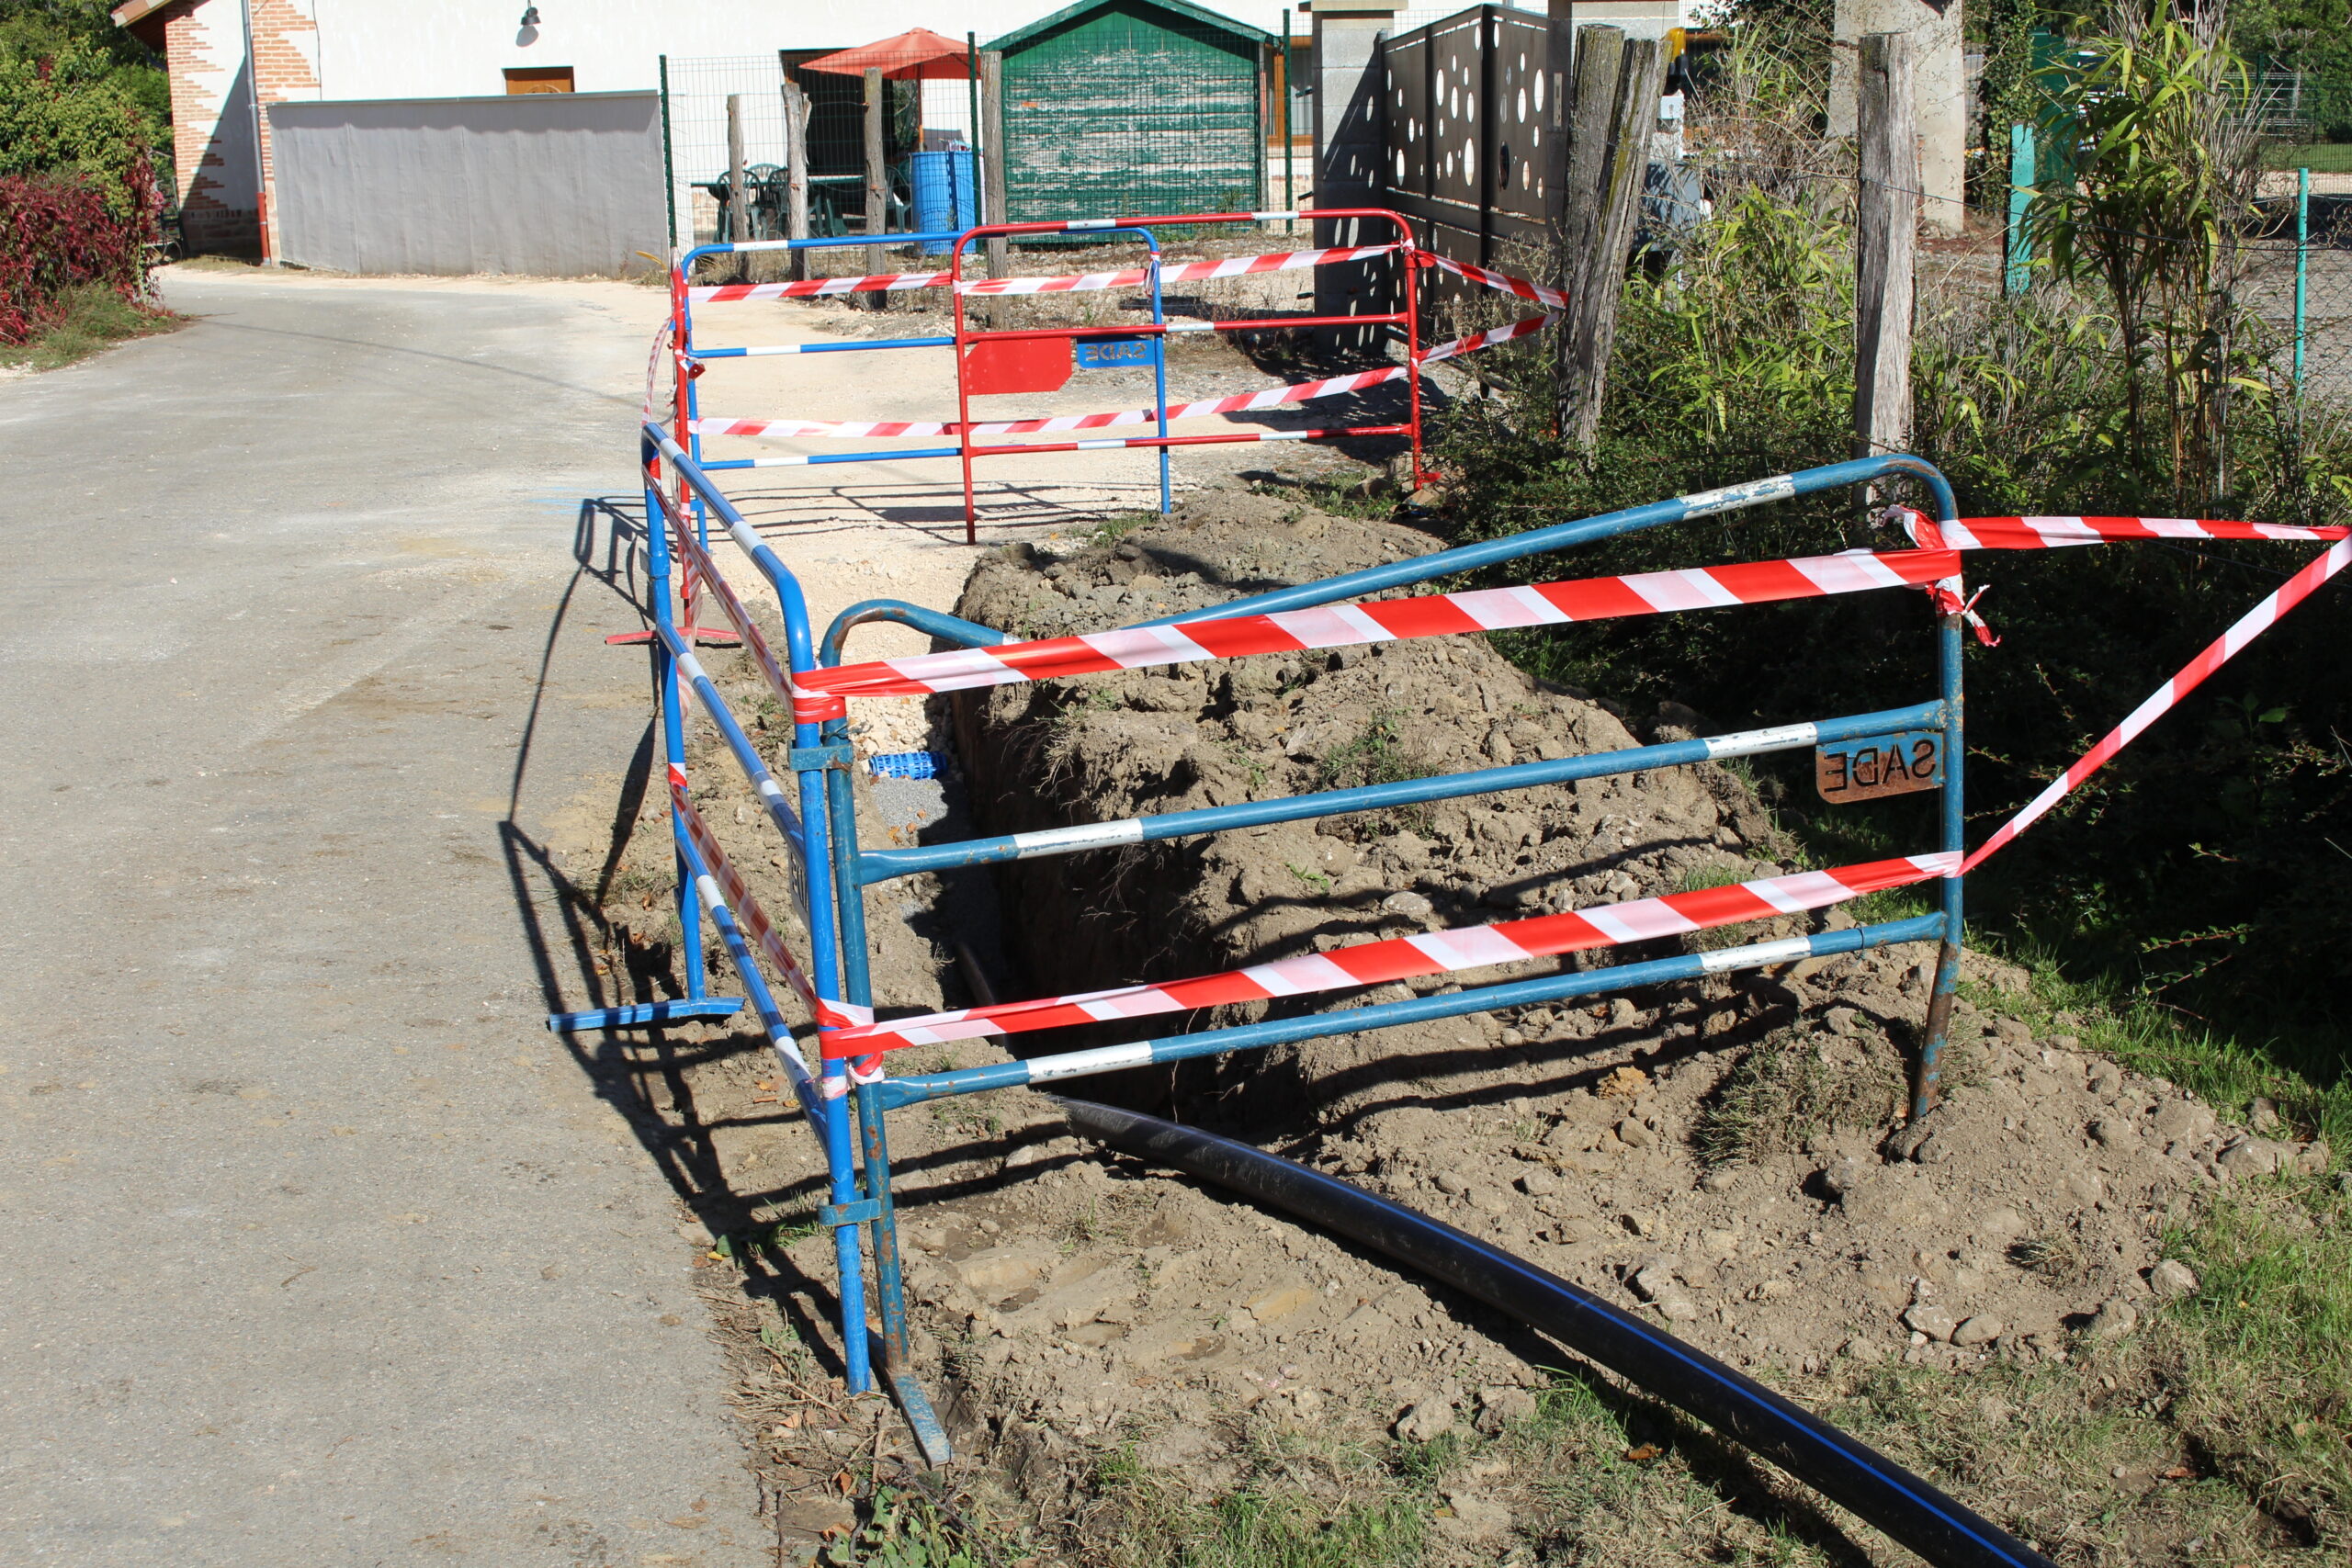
<point x="1723" y="1154"/>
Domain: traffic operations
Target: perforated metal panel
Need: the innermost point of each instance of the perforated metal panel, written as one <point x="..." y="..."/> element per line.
<point x="1471" y="119"/>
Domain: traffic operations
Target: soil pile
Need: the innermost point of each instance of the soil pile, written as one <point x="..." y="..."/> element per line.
<point x="1718" y="1150"/>
<point x="1717" y="1154"/>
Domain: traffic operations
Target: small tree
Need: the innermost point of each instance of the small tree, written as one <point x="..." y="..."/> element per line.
<point x="2163" y="180"/>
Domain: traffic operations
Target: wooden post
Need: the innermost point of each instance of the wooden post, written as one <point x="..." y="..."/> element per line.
<point x="737" y="226"/>
<point x="877" y="179"/>
<point x="1600" y="57"/>
<point x="992" y="135"/>
<point x="1886" y="233"/>
<point x="796" y="183"/>
<point x="1592" y="312"/>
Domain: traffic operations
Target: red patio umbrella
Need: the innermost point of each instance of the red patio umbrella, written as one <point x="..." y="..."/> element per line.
<point x="916" y="55"/>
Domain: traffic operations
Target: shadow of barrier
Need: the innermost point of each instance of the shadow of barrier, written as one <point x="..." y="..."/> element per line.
<point x="846" y="1094"/>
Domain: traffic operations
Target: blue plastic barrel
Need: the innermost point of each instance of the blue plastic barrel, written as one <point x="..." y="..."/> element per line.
<point x="946" y="195"/>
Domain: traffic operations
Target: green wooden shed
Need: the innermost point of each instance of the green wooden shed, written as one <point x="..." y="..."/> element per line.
<point x="1118" y="108"/>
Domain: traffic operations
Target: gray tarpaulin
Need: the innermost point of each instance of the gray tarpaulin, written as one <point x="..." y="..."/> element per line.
<point x="564" y="184"/>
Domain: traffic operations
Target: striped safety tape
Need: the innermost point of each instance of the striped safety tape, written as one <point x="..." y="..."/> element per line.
<point x="755" y="923"/>
<point x="1399" y="958"/>
<point x="2051" y="533"/>
<point x="2251" y="624"/>
<point x="1387" y="620"/>
<point x="814" y="288"/>
<point x="1477" y="340"/>
<point x="807" y="706"/>
<point x="1271" y="396"/>
<point x="1538" y="292"/>
<point x="1111" y="443"/>
<point x="1239" y="402"/>
<point x="1182" y="272"/>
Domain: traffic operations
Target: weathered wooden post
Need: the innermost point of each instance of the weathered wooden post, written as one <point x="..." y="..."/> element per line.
<point x="1886" y="229"/>
<point x="796" y="181"/>
<point x="737" y="227"/>
<point x="1600" y="56"/>
<point x="878" y="178"/>
<point x="1592" y="312"/>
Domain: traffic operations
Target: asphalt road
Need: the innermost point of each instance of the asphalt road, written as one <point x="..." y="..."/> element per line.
<point x="315" y="1247"/>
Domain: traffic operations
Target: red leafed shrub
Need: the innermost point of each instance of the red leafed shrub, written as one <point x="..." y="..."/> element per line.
<point x="57" y="232"/>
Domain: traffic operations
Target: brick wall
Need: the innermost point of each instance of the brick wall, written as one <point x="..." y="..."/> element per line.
<point x="212" y="107"/>
<point x="212" y="130"/>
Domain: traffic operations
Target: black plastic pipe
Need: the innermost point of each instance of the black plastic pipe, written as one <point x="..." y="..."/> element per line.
<point x="1908" y="1508"/>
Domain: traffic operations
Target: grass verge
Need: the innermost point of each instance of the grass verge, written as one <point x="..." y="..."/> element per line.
<point x="96" y="317"/>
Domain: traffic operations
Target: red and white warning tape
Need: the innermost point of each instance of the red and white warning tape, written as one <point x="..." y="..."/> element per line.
<point x="1273" y="397"/>
<point x="1182" y="272"/>
<point x="1239" y="402"/>
<point x="2251" y="624"/>
<point x="807" y="706"/>
<point x="755" y="923"/>
<point x="1432" y="952"/>
<point x="1387" y="620"/>
<point x="1538" y="292"/>
<point x="816" y="288"/>
<point x="2051" y="533"/>
<point x="1477" y="340"/>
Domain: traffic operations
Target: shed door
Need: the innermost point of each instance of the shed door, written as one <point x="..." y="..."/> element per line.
<point x="1125" y="112"/>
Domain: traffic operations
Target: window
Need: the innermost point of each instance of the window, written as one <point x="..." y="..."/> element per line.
<point x="538" y="79"/>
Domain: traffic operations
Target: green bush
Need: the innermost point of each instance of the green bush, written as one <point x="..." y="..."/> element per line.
<point x="75" y="111"/>
<point x="2201" y="869"/>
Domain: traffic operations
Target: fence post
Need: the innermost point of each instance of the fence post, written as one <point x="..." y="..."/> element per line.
<point x="1283" y="86"/>
<point x="2303" y="266"/>
<point x="2018" y="276"/>
<point x="1559" y="66"/>
<point x="1486" y="138"/>
<point x="736" y="207"/>
<point x="670" y="173"/>
<point x="1886" y="233"/>
<point x="1600" y="55"/>
<point x="796" y="179"/>
<point x="878" y="178"/>
<point x="1592" y="312"/>
<point x="992" y="134"/>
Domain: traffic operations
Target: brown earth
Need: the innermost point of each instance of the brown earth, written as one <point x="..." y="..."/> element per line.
<point x="1718" y="1153"/>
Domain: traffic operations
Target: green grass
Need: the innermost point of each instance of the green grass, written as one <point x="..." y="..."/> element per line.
<point x="2319" y="157"/>
<point x="1367" y="1511"/>
<point x="96" y="317"/>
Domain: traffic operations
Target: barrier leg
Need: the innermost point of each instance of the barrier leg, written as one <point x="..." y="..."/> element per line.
<point x="1926" y="1066"/>
<point x="809" y="760"/>
<point x="674" y="741"/>
<point x="1160" y="372"/>
<point x="879" y="1211"/>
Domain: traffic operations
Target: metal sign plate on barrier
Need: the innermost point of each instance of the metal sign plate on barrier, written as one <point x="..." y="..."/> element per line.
<point x="1112" y="352"/>
<point x="1879" y="765"/>
<point x="999" y="365"/>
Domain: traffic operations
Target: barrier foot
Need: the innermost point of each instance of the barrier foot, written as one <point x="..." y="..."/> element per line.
<point x="708" y="636"/>
<point x="915" y="1406"/>
<point x="643" y="1013"/>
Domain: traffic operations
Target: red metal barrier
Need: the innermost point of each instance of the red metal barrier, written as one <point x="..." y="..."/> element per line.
<point x="971" y="343"/>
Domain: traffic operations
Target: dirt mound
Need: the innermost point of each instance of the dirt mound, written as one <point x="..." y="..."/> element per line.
<point x="1717" y="1150"/>
<point x="1718" y="1153"/>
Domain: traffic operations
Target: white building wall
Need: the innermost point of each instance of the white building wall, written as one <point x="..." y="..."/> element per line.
<point x="401" y="49"/>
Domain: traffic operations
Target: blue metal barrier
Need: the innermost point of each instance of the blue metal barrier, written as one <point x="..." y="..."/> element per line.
<point x="823" y="832"/>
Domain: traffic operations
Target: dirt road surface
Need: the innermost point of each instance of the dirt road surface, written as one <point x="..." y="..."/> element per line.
<point x="320" y="1248"/>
